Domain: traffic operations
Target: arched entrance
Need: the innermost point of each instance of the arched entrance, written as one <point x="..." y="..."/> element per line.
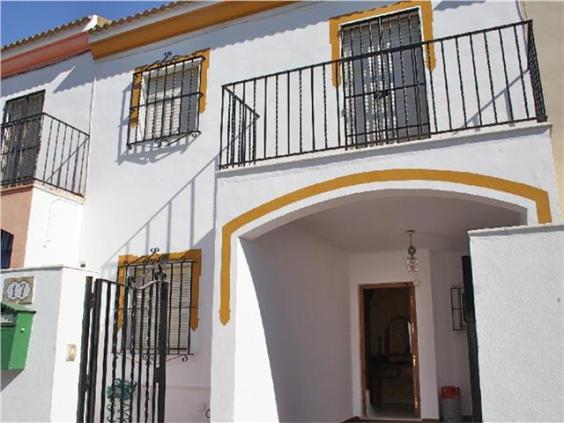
<point x="299" y="339"/>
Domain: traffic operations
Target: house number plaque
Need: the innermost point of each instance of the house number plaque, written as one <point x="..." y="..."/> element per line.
<point x="18" y="290"/>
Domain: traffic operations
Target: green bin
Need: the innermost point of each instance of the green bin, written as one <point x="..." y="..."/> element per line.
<point x="16" y="331"/>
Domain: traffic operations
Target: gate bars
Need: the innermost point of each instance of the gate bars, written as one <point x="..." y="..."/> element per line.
<point x="122" y="375"/>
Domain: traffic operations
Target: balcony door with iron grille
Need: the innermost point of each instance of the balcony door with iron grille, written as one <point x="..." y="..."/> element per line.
<point x="384" y="79"/>
<point x="21" y="137"/>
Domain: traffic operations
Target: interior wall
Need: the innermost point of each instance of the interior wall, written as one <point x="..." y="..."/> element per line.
<point x="451" y="346"/>
<point x="292" y="320"/>
<point x="389" y="267"/>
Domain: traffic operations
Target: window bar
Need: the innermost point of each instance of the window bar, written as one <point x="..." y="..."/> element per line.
<point x="383" y="82"/>
<point x="117" y="294"/>
<point x="105" y="349"/>
<point x="60" y="169"/>
<point x="145" y="106"/>
<point x="363" y="92"/>
<point x="540" y="109"/>
<point x="345" y="118"/>
<point x="265" y="114"/>
<point x="255" y="117"/>
<point x="312" y="109"/>
<point x="300" y="114"/>
<point x="123" y="346"/>
<point x="490" y="74"/>
<point x="461" y="83"/>
<point x="164" y="101"/>
<point x="402" y="66"/>
<point x="171" y="279"/>
<point x="173" y="100"/>
<point x="507" y="86"/>
<point x="155" y="346"/>
<point x="275" y="117"/>
<point x="374" y="84"/>
<point x="181" y="99"/>
<point x="475" y="78"/>
<point x="392" y="81"/>
<point x="350" y="96"/>
<point x="132" y="349"/>
<point x="245" y="124"/>
<point x="155" y="105"/>
<point x="149" y="350"/>
<point x="240" y="133"/>
<point x="229" y="140"/>
<point x="140" y="363"/>
<point x="446" y="86"/>
<point x="222" y="118"/>
<point x="190" y="98"/>
<point x="414" y="65"/>
<point x="93" y="370"/>
<point x="55" y="150"/>
<point x="178" y="337"/>
<point x="85" y="152"/>
<point x="287" y="111"/>
<point x="338" y="79"/>
<point x="325" y="105"/>
<point x="77" y="152"/>
<point x="69" y="156"/>
<point x="521" y="74"/>
<point x="189" y="338"/>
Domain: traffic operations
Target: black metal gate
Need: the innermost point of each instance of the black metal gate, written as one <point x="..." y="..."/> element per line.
<point x="124" y="346"/>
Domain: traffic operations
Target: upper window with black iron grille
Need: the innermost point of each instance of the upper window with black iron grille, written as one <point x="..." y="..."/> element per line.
<point x="165" y="100"/>
<point x="181" y="272"/>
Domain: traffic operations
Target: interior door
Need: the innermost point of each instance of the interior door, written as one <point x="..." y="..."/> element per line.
<point x="384" y="80"/>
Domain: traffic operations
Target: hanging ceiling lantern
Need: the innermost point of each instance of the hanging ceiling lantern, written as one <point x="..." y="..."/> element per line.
<point x="411" y="261"/>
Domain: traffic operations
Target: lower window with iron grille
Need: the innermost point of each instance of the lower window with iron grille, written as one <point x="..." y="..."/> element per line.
<point x="181" y="274"/>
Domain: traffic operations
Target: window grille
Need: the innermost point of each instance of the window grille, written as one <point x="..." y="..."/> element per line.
<point x="21" y="136"/>
<point x="457" y="308"/>
<point x="385" y="93"/>
<point x="181" y="273"/>
<point x="165" y="101"/>
<point x="7" y="242"/>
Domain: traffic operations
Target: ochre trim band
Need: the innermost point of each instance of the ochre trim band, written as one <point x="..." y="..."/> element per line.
<point x="538" y="196"/>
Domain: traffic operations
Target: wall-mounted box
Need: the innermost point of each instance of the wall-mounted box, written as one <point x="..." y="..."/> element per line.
<point x="16" y="332"/>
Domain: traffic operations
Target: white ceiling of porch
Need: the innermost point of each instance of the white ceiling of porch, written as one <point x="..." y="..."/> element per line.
<point x="379" y="224"/>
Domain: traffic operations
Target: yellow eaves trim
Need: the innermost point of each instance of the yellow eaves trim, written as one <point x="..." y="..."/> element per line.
<point x="215" y="14"/>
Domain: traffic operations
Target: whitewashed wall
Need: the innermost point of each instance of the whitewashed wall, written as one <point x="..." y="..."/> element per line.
<point x="54" y="229"/>
<point x="519" y="289"/>
<point x="451" y="347"/>
<point x="47" y="388"/>
<point x="68" y="89"/>
<point x="292" y="350"/>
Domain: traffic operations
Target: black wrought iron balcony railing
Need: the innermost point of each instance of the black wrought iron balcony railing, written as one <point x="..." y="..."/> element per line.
<point x="408" y="92"/>
<point x="46" y="149"/>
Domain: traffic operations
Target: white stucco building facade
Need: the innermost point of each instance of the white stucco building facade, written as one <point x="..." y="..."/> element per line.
<point x="280" y="152"/>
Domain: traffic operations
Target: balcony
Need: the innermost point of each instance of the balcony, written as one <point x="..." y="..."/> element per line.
<point x="395" y="95"/>
<point x="45" y="149"/>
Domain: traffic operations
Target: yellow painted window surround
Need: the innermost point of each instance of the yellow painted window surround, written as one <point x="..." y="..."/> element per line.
<point x="138" y="81"/>
<point x="426" y="14"/>
<point x="195" y="255"/>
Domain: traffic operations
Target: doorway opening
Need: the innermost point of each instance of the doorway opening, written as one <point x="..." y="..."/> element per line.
<point x="390" y="375"/>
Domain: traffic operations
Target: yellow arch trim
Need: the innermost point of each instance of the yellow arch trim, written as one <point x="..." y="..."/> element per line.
<point x="538" y="196"/>
<point x="426" y="26"/>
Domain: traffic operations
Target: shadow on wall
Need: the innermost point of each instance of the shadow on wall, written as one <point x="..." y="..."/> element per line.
<point x="163" y="215"/>
<point x="301" y="290"/>
<point x="453" y="4"/>
<point x="8" y="376"/>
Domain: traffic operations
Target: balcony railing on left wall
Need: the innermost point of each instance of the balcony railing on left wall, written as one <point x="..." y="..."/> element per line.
<point x="45" y="149"/>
